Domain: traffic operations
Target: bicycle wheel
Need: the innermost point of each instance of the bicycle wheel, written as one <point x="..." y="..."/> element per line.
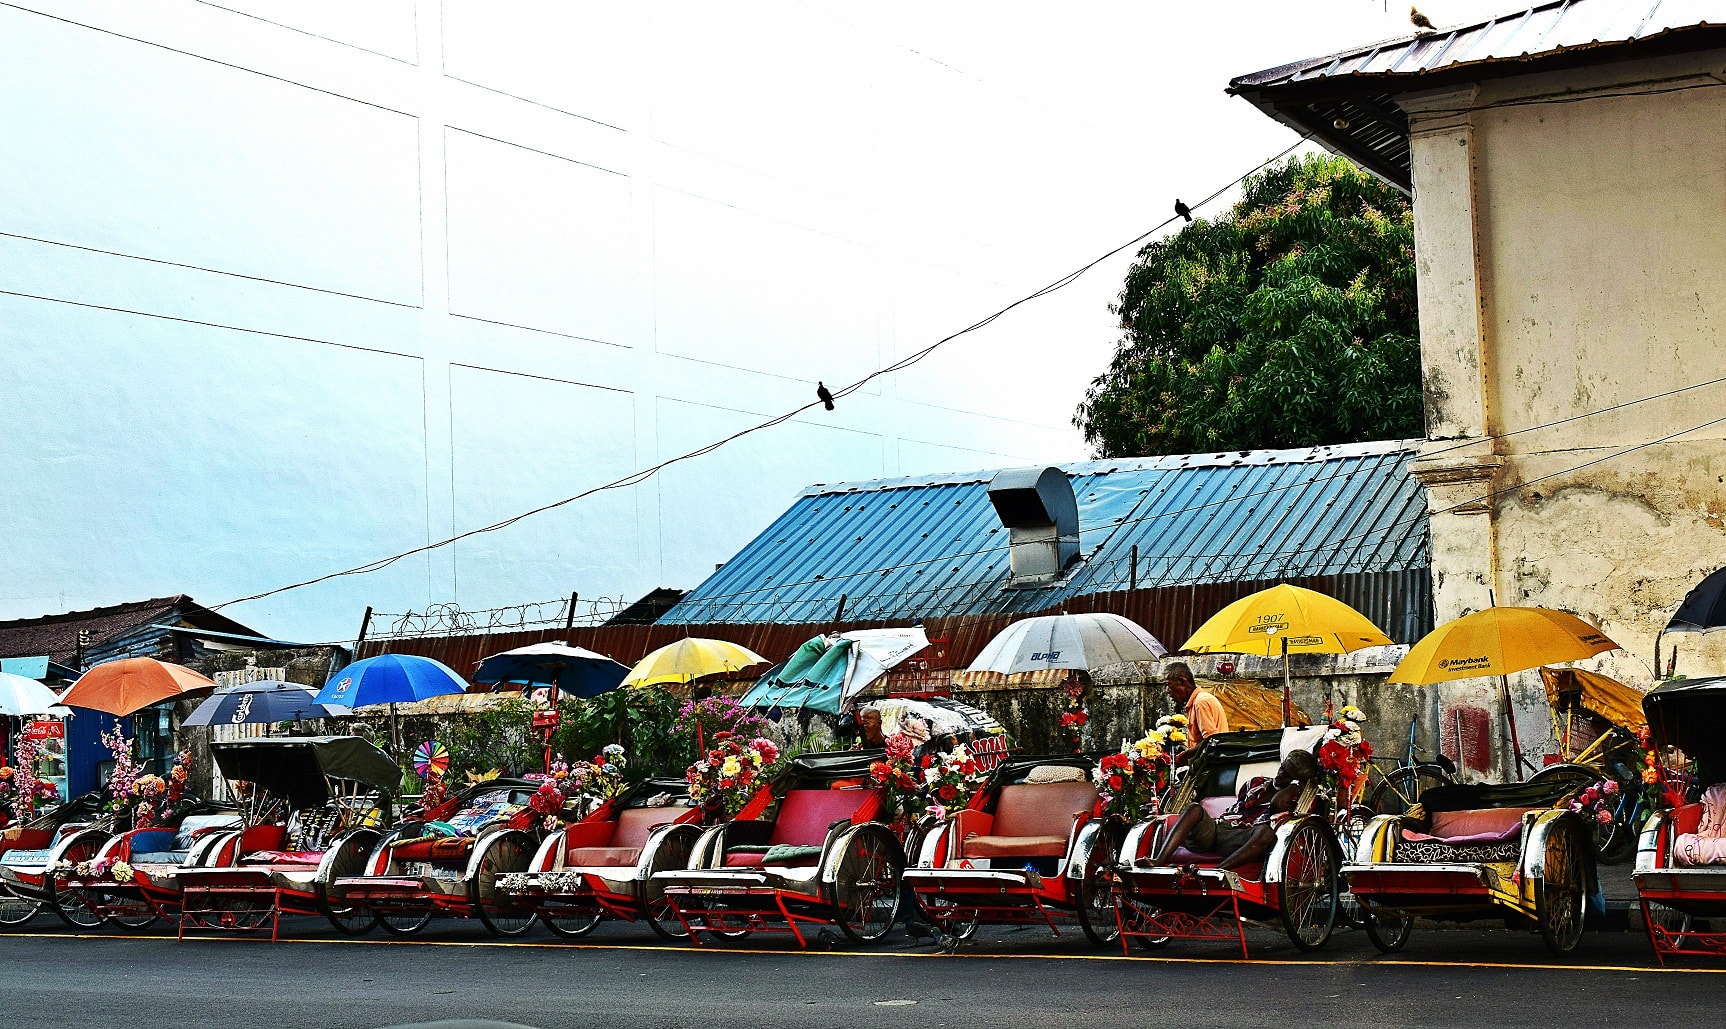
<point x="1096" y="894"/>
<point x="1400" y="789"/>
<point x="1559" y="894"/>
<point x="16" y="910"/>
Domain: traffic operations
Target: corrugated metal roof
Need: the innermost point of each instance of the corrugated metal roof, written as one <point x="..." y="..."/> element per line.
<point x="1530" y="33"/>
<point x="1355" y="87"/>
<point x="932" y="546"/>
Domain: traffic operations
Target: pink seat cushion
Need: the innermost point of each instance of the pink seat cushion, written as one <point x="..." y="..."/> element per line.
<point x="284" y="857"/>
<point x="1042" y="809"/>
<point x="637" y="824"/>
<point x="605" y="857"/>
<point x="804" y="815"/>
<point x="1217" y="807"/>
<point x="1481" y="825"/>
<point x="1016" y="846"/>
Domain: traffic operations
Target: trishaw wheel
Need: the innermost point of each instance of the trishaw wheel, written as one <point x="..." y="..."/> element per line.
<point x="868" y="885"/>
<point x="672" y="853"/>
<point x="942" y="915"/>
<point x="1559" y="893"/>
<point x="504" y="853"/>
<point x="347" y="919"/>
<point x="75" y="908"/>
<point x="1387" y="932"/>
<point x="1309" y="894"/>
<point x="16" y="910"/>
<point x="1096" y="893"/>
<point x="242" y="911"/>
<point x="404" y="923"/>
<point x="134" y="916"/>
<point x="574" y="926"/>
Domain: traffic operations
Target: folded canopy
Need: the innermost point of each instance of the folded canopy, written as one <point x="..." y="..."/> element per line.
<point x="298" y="768"/>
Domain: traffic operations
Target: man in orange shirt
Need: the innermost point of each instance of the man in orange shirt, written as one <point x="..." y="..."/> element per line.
<point x="1205" y="714"/>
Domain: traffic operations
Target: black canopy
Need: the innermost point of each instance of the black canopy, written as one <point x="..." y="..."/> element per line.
<point x="296" y="767"/>
<point x="1691" y="714"/>
<point x="810" y="771"/>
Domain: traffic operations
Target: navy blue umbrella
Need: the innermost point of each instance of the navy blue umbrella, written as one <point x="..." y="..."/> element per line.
<point x="573" y="670"/>
<point x="268" y="700"/>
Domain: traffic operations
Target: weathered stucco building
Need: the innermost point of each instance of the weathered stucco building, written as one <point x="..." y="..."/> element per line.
<point x="1568" y="168"/>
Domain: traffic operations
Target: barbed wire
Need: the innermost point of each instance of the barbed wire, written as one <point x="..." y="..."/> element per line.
<point x="450" y="619"/>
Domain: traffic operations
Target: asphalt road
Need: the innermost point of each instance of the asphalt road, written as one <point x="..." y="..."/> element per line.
<point x="621" y="977"/>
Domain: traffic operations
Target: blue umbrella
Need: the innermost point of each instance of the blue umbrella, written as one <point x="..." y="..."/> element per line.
<point x="573" y="670"/>
<point x="268" y="700"/>
<point x="390" y="679"/>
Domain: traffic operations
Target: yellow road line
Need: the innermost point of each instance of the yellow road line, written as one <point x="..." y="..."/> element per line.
<point x="970" y="956"/>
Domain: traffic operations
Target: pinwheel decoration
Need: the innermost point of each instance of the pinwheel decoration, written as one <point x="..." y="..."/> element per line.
<point x="431" y="758"/>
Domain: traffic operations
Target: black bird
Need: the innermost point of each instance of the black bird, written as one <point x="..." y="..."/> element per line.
<point x="1420" y="20"/>
<point x="1183" y="210"/>
<point x="821" y="391"/>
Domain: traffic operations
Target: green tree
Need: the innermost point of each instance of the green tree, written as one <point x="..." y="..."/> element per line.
<point x="1289" y="321"/>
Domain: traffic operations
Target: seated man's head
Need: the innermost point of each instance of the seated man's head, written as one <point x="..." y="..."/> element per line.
<point x="1180" y="679"/>
<point x="869" y="720"/>
<point x="1300" y="766"/>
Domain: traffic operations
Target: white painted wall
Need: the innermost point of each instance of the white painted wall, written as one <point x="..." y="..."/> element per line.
<point x="289" y="285"/>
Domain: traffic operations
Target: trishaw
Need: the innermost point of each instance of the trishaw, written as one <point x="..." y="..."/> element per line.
<point x="604" y="865"/>
<point x="448" y="861"/>
<point x="1681" y="863"/>
<point x="1512" y="851"/>
<point x="133" y="878"/>
<point x="310" y="807"/>
<point x="35" y="856"/>
<point x="1295" y="886"/>
<point x="1595" y="720"/>
<point x="806" y="849"/>
<point x="1028" y="846"/>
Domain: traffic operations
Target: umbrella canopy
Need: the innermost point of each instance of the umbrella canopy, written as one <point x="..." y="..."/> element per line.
<point x="1499" y="641"/>
<point x="20" y="696"/>
<point x="1067" y="641"/>
<point x="1599" y="694"/>
<point x="1306" y="621"/>
<point x="122" y="687"/>
<point x="827" y="671"/>
<point x="690" y="659"/>
<point x="390" y="679"/>
<point x="1704" y="607"/>
<point x="267" y="700"/>
<point x="573" y="670"/>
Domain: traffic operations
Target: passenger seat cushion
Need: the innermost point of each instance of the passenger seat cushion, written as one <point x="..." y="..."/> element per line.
<point x="605" y="857"/>
<point x="1482" y="825"/>
<point x="1042" y="809"/>
<point x="637" y="824"/>
<point x="1016" y="846"/>
<point x="284" y="857"/>
<point x="804" y="815"/>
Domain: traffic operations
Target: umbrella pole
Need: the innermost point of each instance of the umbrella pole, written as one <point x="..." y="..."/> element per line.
<point x="395" y="734"/>
<point x="1510" y="720"/>
<point x="1288" y="686"/>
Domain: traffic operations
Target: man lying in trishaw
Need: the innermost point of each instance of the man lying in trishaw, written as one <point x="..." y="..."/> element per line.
<point x="1681" y="861"/>
<point x="806" y="848"/>
<point x="1026" y="846"/>
<point x="1248" y="834"/>
<point x="449" y="857"/>
<point x="603" y="865"/>
<point x="309" y="809"/>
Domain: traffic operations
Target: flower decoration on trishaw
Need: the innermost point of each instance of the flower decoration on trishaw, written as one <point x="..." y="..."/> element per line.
<point x="1130" y="782"/>
<point x="723" y="779"/>
<point x="1344" y="754"/>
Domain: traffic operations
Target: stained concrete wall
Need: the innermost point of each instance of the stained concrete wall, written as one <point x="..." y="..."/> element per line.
<point x="1569" y="263"/>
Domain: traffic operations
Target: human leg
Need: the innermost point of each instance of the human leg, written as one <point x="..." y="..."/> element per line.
<point x="1196" y="825"/>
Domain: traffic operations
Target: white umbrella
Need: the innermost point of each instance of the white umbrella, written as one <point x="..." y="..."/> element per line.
<point x="20" y="696"/>
<point x="1067" y="641"/>
<point x="874" y="652"/>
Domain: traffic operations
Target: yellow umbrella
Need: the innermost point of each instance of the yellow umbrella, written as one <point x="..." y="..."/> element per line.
<point x="1286" y="620"/>
<point x="1499" y="641"/>
<point x="690" y="659"/>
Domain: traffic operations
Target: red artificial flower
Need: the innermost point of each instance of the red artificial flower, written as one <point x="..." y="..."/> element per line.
<point x="948" y="792"/>
<point x="1116" y="782"/>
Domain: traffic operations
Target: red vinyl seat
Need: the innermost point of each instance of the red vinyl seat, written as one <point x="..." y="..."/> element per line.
<point x="622" y="848"/>
<point x="804" y="816"/>
<point x="1033" y="820"/>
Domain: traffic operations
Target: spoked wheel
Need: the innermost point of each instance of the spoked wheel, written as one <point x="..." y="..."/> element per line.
<point x="868" y="885"/>
<point x="944" y="916"/>
<point x="242" y="912"/>
<point x="1096" y="893"/>
<point x="1310" y="894"/>
<point x="504" y="853"/>
<point x="1559" y="893"/>
<point x="573" y="923"/>
<point x="74" y="907"/>
<point x="16" y="910"/>
<point x="404" y="922"/>
<point x="1401" y="788"/>
<point x="132" y="915"/>
<point x="1387" y="931"/>
<point x="671" y="854"/>
<point x="348" y="860"/>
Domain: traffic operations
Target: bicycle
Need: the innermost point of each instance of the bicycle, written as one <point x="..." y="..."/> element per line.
<point x="1607" y="759"/>
<point x="1399" y="788"/>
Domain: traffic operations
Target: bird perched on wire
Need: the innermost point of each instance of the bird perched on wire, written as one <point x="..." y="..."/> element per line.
<point x="1421" y="21"/>
<point x="1183" y="210"/>
<point x="821" y="391"/>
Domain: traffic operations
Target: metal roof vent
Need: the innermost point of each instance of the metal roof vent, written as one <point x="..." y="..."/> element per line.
<point x="1042" y="518"/>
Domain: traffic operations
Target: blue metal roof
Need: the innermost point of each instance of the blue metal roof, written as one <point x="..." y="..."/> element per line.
<point x="932" y="546"/>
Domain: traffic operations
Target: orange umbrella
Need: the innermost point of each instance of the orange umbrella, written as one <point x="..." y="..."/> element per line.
<point x="122" y="687"/>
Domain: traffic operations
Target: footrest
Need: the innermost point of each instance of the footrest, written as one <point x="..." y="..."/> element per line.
<point x="237" y="907"/>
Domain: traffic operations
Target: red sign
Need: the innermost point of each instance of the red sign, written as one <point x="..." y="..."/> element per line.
<point x="45" y="730"/>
